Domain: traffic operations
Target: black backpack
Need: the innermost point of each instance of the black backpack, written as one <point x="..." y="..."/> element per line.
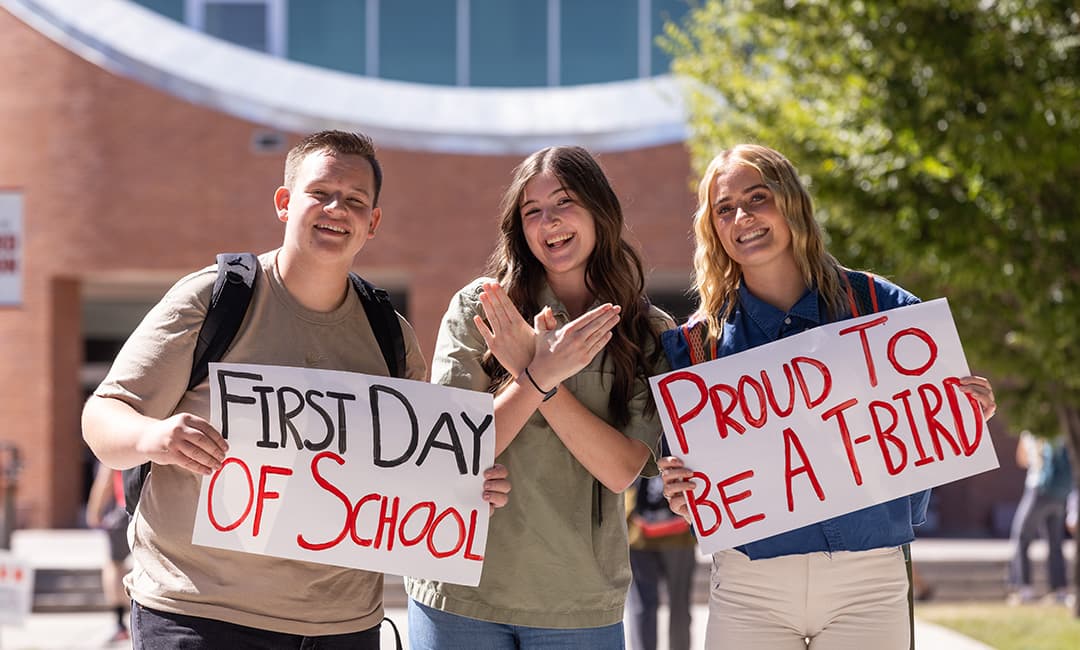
<point x="229" y="301"/>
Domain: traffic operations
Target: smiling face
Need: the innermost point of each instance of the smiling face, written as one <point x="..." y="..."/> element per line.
<point x="750" y="227"/>
<point x="328" y="211"/>
<point x="560" y="232"/>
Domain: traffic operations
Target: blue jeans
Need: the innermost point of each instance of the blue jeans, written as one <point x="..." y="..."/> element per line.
<point x="431" y="629"/>
<point x="156" y="630"/>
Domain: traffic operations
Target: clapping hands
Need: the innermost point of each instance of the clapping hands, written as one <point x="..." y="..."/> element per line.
<point x="551" y="353"/>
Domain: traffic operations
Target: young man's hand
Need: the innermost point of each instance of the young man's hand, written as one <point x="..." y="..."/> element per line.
<point x="185" y="440"/>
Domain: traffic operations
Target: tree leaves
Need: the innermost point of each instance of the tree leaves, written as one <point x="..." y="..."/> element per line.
<point x="941" y="141"/>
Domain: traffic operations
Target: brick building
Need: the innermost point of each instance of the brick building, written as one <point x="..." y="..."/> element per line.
<point x="139" y="146"/>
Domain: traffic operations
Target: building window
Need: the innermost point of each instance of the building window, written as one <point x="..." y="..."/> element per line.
<point x="169" y="8"/>
<point x="509" y="43"/>
<point x="256" y="24"/>
<point x="418" y="41"/>
<point x="329" y="33"/>
<point x="488" y="43"/>
<point x="599" y="41"/>
<point x="664" y="11"/>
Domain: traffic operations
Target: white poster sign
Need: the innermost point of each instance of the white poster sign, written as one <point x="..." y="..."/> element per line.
<point x="823" y="423"/>
<point x="349" y="469"/>
<point x="16" y="589"/>
<point x="11" y="234"/>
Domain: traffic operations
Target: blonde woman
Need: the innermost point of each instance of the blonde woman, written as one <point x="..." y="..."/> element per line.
<point x="762" y="273"/>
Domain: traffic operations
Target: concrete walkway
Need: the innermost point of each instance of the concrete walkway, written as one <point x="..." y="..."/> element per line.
<point x="91" y="630"/>
<point x="81" y="549"/>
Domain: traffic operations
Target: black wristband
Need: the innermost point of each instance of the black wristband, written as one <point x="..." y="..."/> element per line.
<point x="548" y="394"/>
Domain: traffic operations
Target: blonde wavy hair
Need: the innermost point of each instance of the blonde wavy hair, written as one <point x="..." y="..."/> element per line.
<point x="717" y="277"/>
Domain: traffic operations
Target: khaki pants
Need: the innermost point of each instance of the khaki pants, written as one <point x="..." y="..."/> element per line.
<point x="840" y="601"/>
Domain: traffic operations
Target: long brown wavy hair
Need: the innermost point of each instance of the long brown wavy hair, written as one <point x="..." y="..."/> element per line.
<point x="717" y="277"/>
<point x="613" y="273"/>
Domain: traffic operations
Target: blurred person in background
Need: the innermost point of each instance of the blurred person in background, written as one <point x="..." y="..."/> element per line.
<point x="662" y="550"/>
<point x="105" y="510"/>
<point x="1041" y="511"/>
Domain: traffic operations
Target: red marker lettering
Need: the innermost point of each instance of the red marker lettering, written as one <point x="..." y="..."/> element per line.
<point x="826" y="379"/>
<point x="861" y="328"/>
<point x="791" y="441"/>
<point x="845" y="434"/>
<point x="884" y="437"/>
<point x="678" y="420"/>
<point x="726" y="500"/>
<point x="931" y="347"/>
<point x="265" y="494"/>
<point x="937" y="430"/>
<point x="210" y="497"/>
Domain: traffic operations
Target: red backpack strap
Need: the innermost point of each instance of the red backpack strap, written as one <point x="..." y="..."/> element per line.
<point x="697" y="342"/>
<point x="862" y="301"/>
<point x="873" y="292"/>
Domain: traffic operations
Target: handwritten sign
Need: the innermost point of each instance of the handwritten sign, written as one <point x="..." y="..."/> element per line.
<point x="11" y="207"/>
<point x="349" y="469"/>
<point x="16" y="589"/>
<point x="823" y="423"/>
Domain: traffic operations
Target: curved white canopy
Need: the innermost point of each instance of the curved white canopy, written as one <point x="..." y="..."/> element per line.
<point x="134" y="42"/>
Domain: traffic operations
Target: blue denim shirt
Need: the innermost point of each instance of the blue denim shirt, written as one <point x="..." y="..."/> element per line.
<point x="755" y="323"/>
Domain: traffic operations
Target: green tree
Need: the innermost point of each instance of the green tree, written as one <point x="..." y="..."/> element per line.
<point x="941" y="141"/>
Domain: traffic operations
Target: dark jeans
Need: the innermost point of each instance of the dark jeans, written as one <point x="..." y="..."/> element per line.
<point x="155" y="630"/>
<point x="674" y="567"/>
<point x="1038" y="513"/>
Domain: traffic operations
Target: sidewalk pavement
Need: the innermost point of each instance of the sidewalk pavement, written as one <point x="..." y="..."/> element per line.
<point x="91" y="631"/>
<point x="82" y="549"/>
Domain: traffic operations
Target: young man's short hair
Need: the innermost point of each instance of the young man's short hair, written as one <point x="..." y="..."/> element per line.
<point x="338" y="142"/>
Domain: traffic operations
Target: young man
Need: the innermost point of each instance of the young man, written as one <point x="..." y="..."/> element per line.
<point x="303" y="313"/>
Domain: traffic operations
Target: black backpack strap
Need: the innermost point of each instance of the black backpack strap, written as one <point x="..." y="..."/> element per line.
<point x="397" y="635"/>
<point x="233" y="289"/>
<point x="384" y="323"/>
<point x="229" y="301"/>
<point x="133" y="485"/>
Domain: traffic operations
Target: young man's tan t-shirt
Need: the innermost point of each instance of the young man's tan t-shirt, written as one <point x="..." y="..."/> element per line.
<point x="151" y="374"/>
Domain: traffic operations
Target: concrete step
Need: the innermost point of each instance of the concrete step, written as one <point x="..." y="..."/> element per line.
<point x="68" y="575"/>
<point x="68" y="590"/>
<point x="952" y="581"/>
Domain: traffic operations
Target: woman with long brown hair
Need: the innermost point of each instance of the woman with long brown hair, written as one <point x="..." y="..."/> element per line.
<point x="563" y="335"/>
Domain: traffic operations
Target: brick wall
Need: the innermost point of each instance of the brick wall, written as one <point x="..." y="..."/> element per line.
<point x="123" y="182"/>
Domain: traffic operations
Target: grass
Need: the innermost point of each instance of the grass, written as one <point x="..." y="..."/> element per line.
<point x="1028" y="627"/>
